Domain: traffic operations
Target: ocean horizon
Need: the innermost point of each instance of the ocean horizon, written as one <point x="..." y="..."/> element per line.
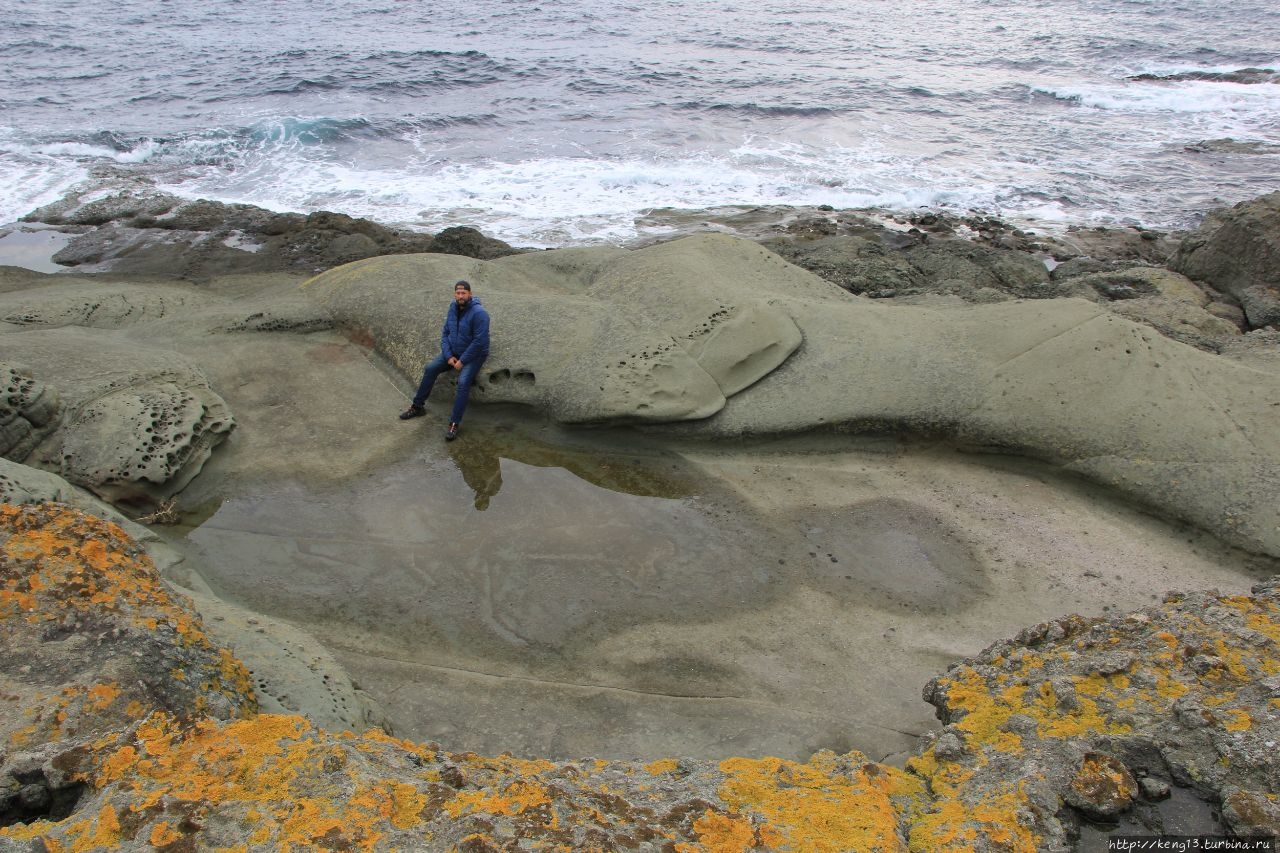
<point x="565" y="122"/>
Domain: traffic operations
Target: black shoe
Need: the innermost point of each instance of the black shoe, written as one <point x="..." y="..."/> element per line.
<point x="451" y="433"/>
<point x="412" y="412"/>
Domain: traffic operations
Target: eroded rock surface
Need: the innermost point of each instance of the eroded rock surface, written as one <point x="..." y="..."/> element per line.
<point x="604" y="335"/>
<point x="136" y="422"/>
<point x="28" y="411"/>
<point x="105" y="749"/>
<point x="660" y="334"/>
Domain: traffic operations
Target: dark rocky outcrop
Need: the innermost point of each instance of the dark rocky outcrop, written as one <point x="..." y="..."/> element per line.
<point x="1237" y="251"/>
<point x="146" y="232"/>
<point x="1241" y="75"/>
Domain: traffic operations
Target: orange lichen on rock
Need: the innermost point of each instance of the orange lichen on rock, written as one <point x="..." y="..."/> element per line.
<point x="829" y="803"/>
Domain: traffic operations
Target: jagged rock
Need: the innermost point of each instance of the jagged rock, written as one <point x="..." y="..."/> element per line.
<point x="1145" y="281"/>
<point x="1012" y="786"/>
<point x="965" y="266"/>
<point x="1261" y="304"/>
<point x="93" y="644"/>
<point x="1102" y="788"/>
<point x="1237" y="251"/>
<point x="858" y="264"/>
<point x="22" y="484"/>
<point x="466" y="241"/>
<point x="1111" y="244"/>
<point x="138" y="423"/>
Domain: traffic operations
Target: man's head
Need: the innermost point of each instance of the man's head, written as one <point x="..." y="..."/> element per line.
<point x="462" y="293"/>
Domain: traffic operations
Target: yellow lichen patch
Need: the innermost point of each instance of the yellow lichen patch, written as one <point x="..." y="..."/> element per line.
<point x="821" y="805"/>
<point x="398" y="802"/>
<point x="162" y="833"/>
<point x="517" y="797"/>
<point x="102" y="695"/>
<point x="956" y="826"/>
<point x="662" y="765"/>
<point x="1240" y="720"/>
<point x="721" y="833"/>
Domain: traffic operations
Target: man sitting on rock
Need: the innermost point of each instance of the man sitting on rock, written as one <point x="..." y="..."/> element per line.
<point x="464" y="345"/>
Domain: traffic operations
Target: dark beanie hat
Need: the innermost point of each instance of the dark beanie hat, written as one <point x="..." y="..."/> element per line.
<point x="465" y="285"/>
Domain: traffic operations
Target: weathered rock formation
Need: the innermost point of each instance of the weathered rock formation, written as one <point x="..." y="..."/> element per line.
<point x="707" y="326"/>
<point x="1237" y="251"/>
<point x="126" y="728"/>
<point x="135" y="423"/>
<point x="591" y="335"/>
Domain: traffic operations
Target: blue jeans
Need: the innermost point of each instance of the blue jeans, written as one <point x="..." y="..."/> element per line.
<point x="466" y="376"/>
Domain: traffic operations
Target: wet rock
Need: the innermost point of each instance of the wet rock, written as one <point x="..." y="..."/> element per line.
<point x="143" y="231"/>
<point x="1231" y="146"/>
<point x="1242" y="75"/>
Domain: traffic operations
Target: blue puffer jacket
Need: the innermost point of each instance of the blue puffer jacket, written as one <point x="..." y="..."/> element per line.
<point x="466" y="333"/>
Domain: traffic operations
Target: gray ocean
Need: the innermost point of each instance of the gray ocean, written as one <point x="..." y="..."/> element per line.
<point x="560" y="122"/>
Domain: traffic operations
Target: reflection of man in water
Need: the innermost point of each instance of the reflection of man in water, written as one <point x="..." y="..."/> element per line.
<point x="464" y="345"/>
<point x="481" y="469"/>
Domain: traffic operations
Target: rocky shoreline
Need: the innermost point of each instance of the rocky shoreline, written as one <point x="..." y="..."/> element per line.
<point x="194" y="362"/>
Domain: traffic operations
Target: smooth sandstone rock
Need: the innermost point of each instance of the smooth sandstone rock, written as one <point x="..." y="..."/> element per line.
<point x="1064" y="381"/>
<point x="597" y="335"/>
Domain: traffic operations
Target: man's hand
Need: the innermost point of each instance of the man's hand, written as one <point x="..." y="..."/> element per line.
<point x="455" y="363"/>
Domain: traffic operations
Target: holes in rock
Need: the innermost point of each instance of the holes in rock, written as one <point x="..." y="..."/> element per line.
<point x="498" y="377"/>
<point x="27" y="796"/>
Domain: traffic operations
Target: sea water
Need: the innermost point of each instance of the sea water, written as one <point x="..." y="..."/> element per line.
<point x="559" y="122"/>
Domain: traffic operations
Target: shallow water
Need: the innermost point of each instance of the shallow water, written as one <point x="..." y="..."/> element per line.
<point x="612" y="597"/>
